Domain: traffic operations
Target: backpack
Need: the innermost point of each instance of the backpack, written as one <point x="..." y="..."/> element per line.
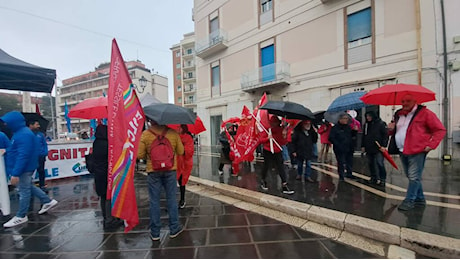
<point x="161" y="152"/>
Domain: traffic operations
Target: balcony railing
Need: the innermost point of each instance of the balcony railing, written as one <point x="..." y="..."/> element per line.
<point x="276" y="74"/>
<point x="187" y="77"/>
<point x="213" y="43"/>
<point x="190" y="102"/>
<point x="189" y="89"/>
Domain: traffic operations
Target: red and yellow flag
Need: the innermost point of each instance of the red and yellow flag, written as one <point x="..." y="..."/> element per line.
<point x="125" y="122"/>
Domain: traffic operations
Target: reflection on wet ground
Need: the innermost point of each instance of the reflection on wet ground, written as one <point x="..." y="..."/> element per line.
<point x="73" y="229"/>
<point x="441" y="183"/>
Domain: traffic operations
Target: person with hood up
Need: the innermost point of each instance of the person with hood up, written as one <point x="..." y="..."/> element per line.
<point x="184" y="162"/>
<point x="375" y="130"/>
<point x="303" y="138"/>
<point x="22" y="160"/>
<point x="341" y="137"/>
<point x="100" y="160"/>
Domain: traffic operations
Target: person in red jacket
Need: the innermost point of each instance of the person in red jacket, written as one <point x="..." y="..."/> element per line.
<point x="415" y="131"/>
<point x="324" y="131"/>
<point x="184" y="162"/>
<point x="280" y="135"/>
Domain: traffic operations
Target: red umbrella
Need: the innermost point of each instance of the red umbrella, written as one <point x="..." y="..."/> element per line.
<point x="90" y="109"/>
<point x="231" y="120"/>
<point x="387" y="156"/>
<point x="195" y="128"/>
<point x="393" y="94"/>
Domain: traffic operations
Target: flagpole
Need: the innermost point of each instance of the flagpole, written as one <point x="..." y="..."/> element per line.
<point x="266" y="131"/>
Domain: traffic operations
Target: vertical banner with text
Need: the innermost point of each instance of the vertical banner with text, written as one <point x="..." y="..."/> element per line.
<point x="125" y="122"/>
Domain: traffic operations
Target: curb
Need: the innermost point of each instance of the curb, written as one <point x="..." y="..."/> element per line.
<point x="387" y="240"/>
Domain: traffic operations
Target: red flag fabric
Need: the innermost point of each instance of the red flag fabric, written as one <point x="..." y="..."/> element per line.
<point x="37" y="109"/>
<point x="125" y="121"/>
<point x="246" y="139"/>
<point x="262" y="115"/>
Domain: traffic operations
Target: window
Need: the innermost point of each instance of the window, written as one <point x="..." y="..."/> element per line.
<point x="177" y="53"/>
<point x="178" y="76"/>
<point x="266" y="12"/>
<point x="189" y="51"/>
<point x="179" y="88"/>
<point x="178" y="65"/>
<point x="191" y="86"/>
<point x="266" y="5"/>
<point x="189" y="63"/>
<point x="215" y="81"/>
<point x="359" y="37"/>
<point x="190" y="75"/>
<point x="359" y="25"/>
<point x="179" y="100"/>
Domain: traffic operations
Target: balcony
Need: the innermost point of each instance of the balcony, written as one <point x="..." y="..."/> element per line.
<point x="214" y="42"/>
<point x="189" y="66"/>
<point x="189" y="90"/>
<point x="188" y="78"/>
<point x="273" y="75"/>
<point x="190" y="102"/>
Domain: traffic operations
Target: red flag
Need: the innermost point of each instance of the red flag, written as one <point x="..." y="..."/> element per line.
<point x="262" y="115"/>
<point x="246" y="139"/>
<point x="37" y="109"/>
<point x="125" y="122"/>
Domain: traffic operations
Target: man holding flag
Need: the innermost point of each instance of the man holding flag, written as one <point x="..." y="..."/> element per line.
<point x="125" y="121"/>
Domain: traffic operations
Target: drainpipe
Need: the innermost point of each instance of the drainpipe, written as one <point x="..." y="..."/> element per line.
<point x="419" y="41"/>
<point x="445" y="100"/>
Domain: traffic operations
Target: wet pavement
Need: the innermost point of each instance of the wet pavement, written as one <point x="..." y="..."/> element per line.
<point x="213" y="229"/>
<point x="441" y="183"/>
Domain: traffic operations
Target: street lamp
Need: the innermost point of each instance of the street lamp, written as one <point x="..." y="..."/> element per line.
<point x="142" y="84"/>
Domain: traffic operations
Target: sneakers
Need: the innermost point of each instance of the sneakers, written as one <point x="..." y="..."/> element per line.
<point x="15" y="221"/>
<point x="221" y="172"/>
<point x="263" y="185"/>
<point x="182" y="204"/>
<point x="286" y="190"/>
<point x="175" y="234"/>
<point x="406" y="205"/>
<point x="372" y="181"/>
<point x="154" y="238"/>
<point x="47" y="206"/>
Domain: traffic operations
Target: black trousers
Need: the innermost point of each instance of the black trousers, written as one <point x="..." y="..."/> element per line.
<point x="344" y="163"/>
<point x="275" y="159"/>
<point x="41" y="170"/>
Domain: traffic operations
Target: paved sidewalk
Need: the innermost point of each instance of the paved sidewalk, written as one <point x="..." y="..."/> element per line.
<point x="441" y="182"/>
<point x="213" y="229"/>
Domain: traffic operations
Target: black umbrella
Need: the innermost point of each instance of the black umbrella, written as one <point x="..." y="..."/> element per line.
<point x="319" y="116"/>
<point x="165" y="114"/>
<point x="41" y="120"/>
<point x="289" y="110"/>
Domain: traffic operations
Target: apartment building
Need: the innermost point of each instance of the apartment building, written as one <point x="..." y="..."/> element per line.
<point x="313" y="51"/>
<point x="184" y="71"/>
<point x="95" y="84"/>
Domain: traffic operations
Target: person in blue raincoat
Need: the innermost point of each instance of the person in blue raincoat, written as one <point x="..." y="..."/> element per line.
<point x="22" y="160"/>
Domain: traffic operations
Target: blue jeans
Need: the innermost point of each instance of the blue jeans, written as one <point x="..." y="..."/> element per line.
<point x="285" y="153"/>
<point x="375" y="161"/>
<point x="26" y="190"/>
<point x="155" y="181"/>
<point x="413" y="167"/>
<point x="300" y="161"/>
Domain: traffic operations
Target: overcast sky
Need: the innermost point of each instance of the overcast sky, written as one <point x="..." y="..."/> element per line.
<point x="74" y="37"/>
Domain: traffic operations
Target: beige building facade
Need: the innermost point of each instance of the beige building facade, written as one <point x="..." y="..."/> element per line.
<point x="312" y="51"/>
<point x="185" y="87"/>
<point x="95" y="84"/>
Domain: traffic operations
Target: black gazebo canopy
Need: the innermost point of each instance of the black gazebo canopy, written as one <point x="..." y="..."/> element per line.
<point x="16" y="74"/>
